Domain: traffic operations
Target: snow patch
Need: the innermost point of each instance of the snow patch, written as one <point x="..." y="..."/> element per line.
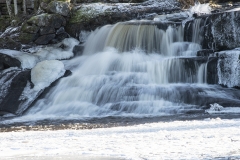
<point x="216" y="109"/>
<point x="46" y="72"/>
<point x="197" y="139"/>
<point x="200" y="9"/>
<point x="62" y="50"/>
<point x="229" y="68"/>
<point x="94" y="9"/>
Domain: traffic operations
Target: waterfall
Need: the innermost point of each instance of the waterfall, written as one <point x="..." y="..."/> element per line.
<point x="133" y="68"/>
<point x="202" y="73"/>
<point x="196" y="30"/>
<point x="147" y="37"/>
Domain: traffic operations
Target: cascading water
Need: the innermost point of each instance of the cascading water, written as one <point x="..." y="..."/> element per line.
<point x="136" y="68"/>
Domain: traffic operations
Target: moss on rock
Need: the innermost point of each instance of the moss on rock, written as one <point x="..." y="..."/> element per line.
<point x="26" y="38"/>
<point x="45" y="19"/>
<point x="30" y="29"/>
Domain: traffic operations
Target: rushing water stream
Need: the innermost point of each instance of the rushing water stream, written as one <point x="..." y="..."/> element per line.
<point x="134" y="69"/>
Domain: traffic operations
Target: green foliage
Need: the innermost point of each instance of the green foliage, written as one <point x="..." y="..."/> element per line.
<point x="4" y="22"/>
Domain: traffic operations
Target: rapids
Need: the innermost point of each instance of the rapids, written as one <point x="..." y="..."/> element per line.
<point x="135" y="69"/>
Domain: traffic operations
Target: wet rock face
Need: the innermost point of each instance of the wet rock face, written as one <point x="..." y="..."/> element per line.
<point x="12" y="86"/>
<point x="229" y="68"/>
<point x="220" y="31"/>
<point x="205" y="52"/>
<point x="11" y="101"/>
<point x="225" y="30"/>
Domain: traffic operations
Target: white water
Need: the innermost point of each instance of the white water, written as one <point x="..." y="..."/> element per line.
<point x="110" y="83"/>
<point x="147" y="37"/>
<point x="115" y="78"/>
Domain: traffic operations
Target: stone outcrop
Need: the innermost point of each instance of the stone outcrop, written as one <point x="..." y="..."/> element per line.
<point x="58" y="7"/>
<point x="43" y="28"/>
<point x="91" y="16"/>
<point x="219" y="31"/>
<point x="11" y="101"/>
<point x="7" y="61"/>
<point x="16" y="91"/>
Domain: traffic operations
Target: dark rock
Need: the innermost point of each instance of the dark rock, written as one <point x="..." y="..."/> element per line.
<point x="11" y="101"/>
<point x="26" y="38"/>
<point x="60" y="30"/>
<point x="9" y="43"/>
<point x="212" y="72"/>
<point x="57" y="21"/>
<point x="46" y="30"/>
<point x="7" y="61"/>
<point x="54" y="41"/>
<point x="78" y="50"/>
<point x="15" y="81"/>
<point x="43" y="20"/>
<point x="45" y="39"/>
<point x="219" y="31"/>
<point x="62" y="36"/>
<point x="30" y="29"/>
<point x="205" y="52"/>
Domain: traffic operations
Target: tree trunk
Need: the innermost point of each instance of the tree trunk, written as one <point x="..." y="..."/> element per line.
<point x="9" y="8"/>
<point x="15" y="7"/>
<point x="24" y="7"/>
<point x="35" y="3"/>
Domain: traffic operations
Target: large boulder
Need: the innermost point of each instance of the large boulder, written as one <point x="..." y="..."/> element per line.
<point x="43" y="29"/>
<point x="59" y="7"/>
<point x="43" y="20"/>
<point x="44" y="39"/>
<point x="7" y="61"/>
<point x="17" y="93"/>
<point x="16" y="84"/>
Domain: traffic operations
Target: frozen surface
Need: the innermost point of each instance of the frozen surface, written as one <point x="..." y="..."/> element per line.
<point x="233" y="10"/>
<point x="46" y="72"/>
<point x="200" y="9"/>
<point x="62" y="50"/>
<point x="202" y="139"/>
<point x="218" y="109"/>
<point x="229" y="68"/>
<point x="94" y="9"/>
<point x="27" y="60"/>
